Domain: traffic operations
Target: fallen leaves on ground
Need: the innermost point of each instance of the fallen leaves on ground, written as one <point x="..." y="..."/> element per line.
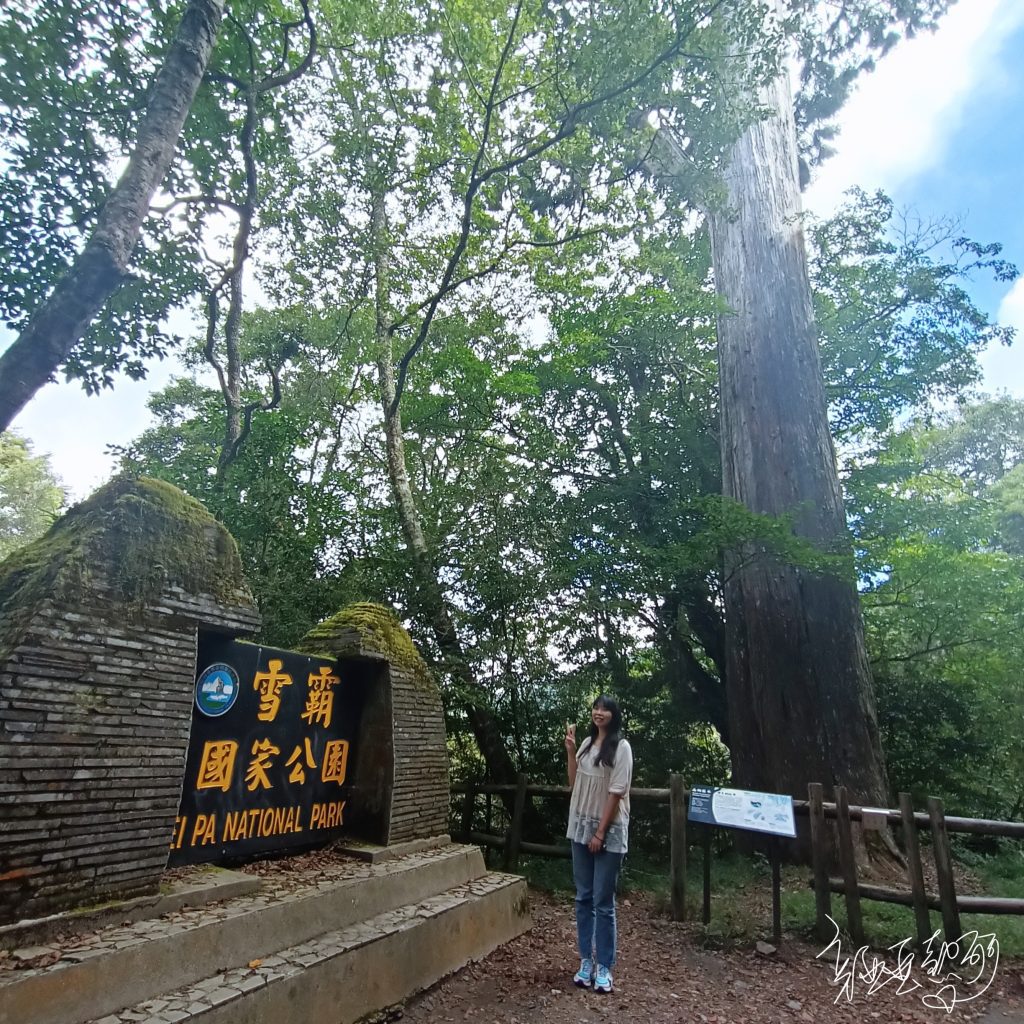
<point x="664" y="977"/>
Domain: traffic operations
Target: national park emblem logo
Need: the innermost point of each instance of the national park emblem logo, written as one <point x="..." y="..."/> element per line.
<point x="216" y="690"/>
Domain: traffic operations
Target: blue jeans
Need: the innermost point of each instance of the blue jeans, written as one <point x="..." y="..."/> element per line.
<point x="595" y="875"/>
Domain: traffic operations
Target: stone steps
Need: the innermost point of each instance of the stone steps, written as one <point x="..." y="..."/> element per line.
<point x="341" y="976"/>
<point x="116" y="967"/>
<point x="214" y="885"/>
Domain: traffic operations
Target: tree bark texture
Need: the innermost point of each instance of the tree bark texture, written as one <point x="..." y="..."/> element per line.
<point x="801" y="703"/>
<point x="64" y="317"/>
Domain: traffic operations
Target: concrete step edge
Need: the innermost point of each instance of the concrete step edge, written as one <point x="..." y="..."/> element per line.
<point x="244" y="929"/>
<point x="217" y="993"/>
<point x="216" y="885"/>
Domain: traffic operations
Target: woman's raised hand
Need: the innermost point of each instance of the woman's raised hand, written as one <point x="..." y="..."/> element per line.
<point x="570" y="738"/>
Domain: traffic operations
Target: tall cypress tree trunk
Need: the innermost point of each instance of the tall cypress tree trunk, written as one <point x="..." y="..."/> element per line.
<point x="801" y="704"/>
<point x="59" y="322"/>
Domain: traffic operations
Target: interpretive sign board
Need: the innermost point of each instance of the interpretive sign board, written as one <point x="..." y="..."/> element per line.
<point x="743" y="809"/>
<point x="272" y="738"/>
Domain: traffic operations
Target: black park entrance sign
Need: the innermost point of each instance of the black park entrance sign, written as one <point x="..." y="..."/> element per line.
<point x="138" y="733"/>
<point x="273" y="735"/>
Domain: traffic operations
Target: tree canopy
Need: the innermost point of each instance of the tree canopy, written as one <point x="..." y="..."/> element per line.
<point x="31" y="497"/>
<point x="456" y="349"/>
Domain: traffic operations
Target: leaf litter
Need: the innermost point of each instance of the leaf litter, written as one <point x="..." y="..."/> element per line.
<point x="664" y="977"/>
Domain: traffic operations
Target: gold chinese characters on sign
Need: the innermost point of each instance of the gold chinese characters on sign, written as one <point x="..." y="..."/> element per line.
<point x="267" y="767"/>
<point x="217" y="762"/>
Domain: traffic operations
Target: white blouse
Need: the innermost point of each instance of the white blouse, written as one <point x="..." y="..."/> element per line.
<point x="590" y="793"/>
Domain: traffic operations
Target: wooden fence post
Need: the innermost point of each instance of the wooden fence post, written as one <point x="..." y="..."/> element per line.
<point x="944" y="870"/>
<point x="467" y="810"/>
<point x="915" y="871"/>
<point x="819" y="860"/>
<point x="677" y="845"/>
<point x="773" y="850"/>
<point x="848" y="862"/>
<point x="515" y="832"/>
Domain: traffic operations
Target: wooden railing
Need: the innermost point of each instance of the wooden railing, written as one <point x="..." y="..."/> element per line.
<point x="512" y="843"/>
<point x="819" y="813"/>
<point x="947" y="902"/>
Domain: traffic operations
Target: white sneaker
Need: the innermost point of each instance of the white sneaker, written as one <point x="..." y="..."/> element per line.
<point x="585" y="974"/>
<point x="602" y="979"/>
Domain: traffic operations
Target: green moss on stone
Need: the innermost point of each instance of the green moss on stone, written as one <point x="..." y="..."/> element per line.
<point x="134" y="535"/>
<point x="377" y="629"/>
<point x="95" y="908"/>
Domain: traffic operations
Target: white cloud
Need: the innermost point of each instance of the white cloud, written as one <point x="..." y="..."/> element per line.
<point x="901" y="118"/>
<point x="1011" y="309"/>
<point x="1004" y="367"/>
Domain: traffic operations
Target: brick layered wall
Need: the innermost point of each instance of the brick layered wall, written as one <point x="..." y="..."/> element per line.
<point x="419" y="801"/>
<point x="403" y="744"/>
<point x="95" y="708"/>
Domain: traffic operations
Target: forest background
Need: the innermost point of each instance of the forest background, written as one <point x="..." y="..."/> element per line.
<point x="459" y="354"/>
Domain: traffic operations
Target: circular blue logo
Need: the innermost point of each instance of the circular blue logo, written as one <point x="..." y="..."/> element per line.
<point x="216" y="690"/>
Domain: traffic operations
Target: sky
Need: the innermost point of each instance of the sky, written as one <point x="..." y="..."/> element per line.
<point x="937" y="126"/>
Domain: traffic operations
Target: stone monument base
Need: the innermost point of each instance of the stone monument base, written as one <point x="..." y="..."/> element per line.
<point x="335" y="942"/>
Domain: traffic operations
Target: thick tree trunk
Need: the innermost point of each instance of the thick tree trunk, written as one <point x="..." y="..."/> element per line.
<point x="59" y="323"/>
<point x="801" y="705"/>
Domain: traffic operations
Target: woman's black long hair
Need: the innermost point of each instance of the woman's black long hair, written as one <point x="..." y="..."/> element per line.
<point x="606" y="755"/>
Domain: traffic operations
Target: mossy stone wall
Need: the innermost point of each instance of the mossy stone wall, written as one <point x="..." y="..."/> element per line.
<point x="98" y="628"/>
<point x="400" y="785"/>
<point x="99" y="622"/>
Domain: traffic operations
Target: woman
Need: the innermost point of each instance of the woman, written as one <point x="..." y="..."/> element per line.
<point x="600" y="773"/>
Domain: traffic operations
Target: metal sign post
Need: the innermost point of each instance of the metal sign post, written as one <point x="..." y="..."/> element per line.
<point x="750" y="811"/>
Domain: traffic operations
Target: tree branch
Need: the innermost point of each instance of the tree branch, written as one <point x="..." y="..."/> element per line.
<point x="63" y="318"/>
<point x="478" y="178"/>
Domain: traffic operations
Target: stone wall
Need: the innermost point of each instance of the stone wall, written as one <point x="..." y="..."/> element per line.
<point x="99" y="622"/>
<point x="98" y="627"/>
<point x="421" y="794"/>
<point x="400" y="784"/>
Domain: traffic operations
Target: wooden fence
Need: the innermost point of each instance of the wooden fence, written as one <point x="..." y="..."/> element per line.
<point x="819" y="813"/>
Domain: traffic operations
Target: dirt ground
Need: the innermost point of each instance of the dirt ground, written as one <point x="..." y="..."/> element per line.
<point x="664" y="977"/>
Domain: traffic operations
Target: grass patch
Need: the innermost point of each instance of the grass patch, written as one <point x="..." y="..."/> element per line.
<point x="550" y="874"/>
<point x="1001" y="874"/>
<point x="741" y="898"/>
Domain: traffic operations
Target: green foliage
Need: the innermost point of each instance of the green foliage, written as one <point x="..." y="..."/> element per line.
<point x="980" y="442"/>
<point x="568" y="487"/>
<point x="30" y="495"/>
<point x="943" y="605"/>
<point x="293" y="498"/>
<point x="455" y="199"/>
<point x="74" y="84"/>
<point x="898" y="328"/>
<point x="73" y="81"/>
<point x="1008" y="495"/>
